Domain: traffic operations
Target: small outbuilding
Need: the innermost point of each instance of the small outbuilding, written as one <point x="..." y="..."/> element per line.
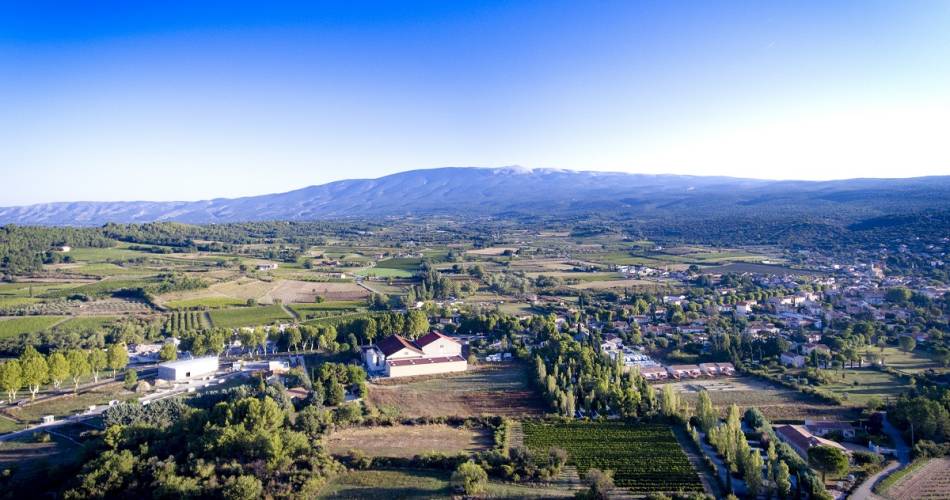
<point x="184" y="369"/>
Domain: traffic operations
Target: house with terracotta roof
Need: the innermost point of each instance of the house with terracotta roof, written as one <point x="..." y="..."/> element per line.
<point x="396" y="356"/>
<point x="801" y="439"/>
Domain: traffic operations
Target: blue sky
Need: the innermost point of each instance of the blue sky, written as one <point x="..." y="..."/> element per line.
<point x="192" y="100"/>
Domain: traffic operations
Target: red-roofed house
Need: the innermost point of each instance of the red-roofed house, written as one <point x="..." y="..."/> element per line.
<point x="801" y="439"/>
<point x="395" y="356"/>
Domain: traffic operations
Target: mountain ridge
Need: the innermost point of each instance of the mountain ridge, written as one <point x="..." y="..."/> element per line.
<point x="491" y="191"/>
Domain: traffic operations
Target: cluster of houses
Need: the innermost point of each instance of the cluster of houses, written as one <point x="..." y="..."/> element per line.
<point x="612" y="346"/>
<point x="678" y="372"/>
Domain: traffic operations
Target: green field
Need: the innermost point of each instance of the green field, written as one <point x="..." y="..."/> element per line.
<point x="248" y="316"/>
<point x="861" y="384"/>
<point x="206" y="302"/>
<point x="645" y="458"/>
<point x="404" y="264"/>
<point x="101" y="288"/>
<point x="104" y="254"/>
<point x="385" y="272"/>
<point x="328" y="307"/>
<point x="420" y="483"/>
<point x="11" y="327"/>
<point x="914" y="361"/>
<point x="87" y="323"/>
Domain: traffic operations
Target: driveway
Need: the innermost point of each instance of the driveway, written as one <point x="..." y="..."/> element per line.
<point x="863" y="491"/>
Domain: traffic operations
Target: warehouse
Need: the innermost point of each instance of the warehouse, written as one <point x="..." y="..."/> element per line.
<point x="174" y="371"/>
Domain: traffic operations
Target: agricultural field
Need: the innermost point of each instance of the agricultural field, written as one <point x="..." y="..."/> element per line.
<point x="290" y="292"/>
<point x="14" y="326"/>
<point x="929" y="482"/>
<point x="859" y="385"/>
<point x="492" y="251"/>
<point x="645" y="458"/>
<point x="776" y="402"/>
<point x="206" y="302"/>
<point x="184" y="321"/>
<point x="248" y="316"/>
<point x="69" y="403"/>
<point x="323" y="309"/>
<point x="910" y="362"/>
<point x="408" y="440"/>
<point x="384" y="272"/>
<point x="500" y="389"/>
<point x="422" y="483"/>
<point x="85" y="323"/>
<point x="26" y="455"/>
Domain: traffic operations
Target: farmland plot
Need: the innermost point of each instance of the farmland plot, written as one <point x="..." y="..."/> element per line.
<point x="932" y="481"/>
<point x="644" y="457"/>
<point x="490" y="390"/>
<point x="408" y="440"/>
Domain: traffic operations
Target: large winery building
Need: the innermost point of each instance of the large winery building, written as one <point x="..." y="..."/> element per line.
<point x="395" y="356"/>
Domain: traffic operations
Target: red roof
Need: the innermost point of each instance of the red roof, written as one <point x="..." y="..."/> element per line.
<point x="394" y="343"/>
<point x="424" y="361"/>
<point x="430" y="338"/>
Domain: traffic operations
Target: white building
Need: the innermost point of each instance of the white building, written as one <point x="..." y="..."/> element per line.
<point x="174" y="371"/>
<point x="433" y="353"/>
<point x="793" y="360"/>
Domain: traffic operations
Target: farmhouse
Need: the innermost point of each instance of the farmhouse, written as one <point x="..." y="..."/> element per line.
<point x="394" y="356"/>
<point x="801" y="439"/>
<point x="185" y="369"/>
<point x="270" y="266"/>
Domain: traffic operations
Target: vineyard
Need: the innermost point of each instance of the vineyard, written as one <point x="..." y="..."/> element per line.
<point x="644" y="457"/>
<point x="185" y="321"/>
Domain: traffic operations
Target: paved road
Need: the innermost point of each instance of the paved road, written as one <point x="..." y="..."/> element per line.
<point x="863" y="492"/>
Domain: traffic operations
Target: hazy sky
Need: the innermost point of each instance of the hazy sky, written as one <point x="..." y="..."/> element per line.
<point x="189" y="100"/>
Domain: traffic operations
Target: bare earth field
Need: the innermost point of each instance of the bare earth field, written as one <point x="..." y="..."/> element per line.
<point x="408" y="440"/>
<point x="289" y="292"/>
<point x="932" y="481"/>
<point x="499" y="389"/>
<point x="603" y="285"/>
<point x="491" y="250"/>
<point x="776" y="402"/>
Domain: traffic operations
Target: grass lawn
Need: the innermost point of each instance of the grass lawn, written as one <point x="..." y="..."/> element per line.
<point x="248" y="316"/>
<point x="420" y="483"/>
<point x="12" y="327"/>
<point x="861" y="384"/>
<point x="497" y="389"/>
<point x="408" y="440"/>
<point x="8" y="425"/>
<point x="914" y="361"/>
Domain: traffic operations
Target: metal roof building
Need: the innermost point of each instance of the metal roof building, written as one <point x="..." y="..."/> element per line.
<point x="185" y="369"/>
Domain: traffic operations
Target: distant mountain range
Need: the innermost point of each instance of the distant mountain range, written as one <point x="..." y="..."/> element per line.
<point x="513" y="191"/>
